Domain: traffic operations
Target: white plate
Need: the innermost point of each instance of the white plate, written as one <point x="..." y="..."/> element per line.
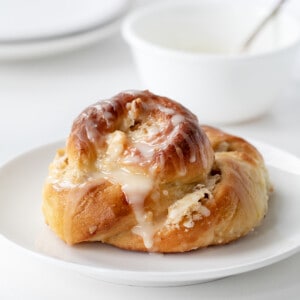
<point x="42" y="19"/>
<point x="21" y="222"/>
<point x="45" y="47"/>
<point x="36" y="28"/>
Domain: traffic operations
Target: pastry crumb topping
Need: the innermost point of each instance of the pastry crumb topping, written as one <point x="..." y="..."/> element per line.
<point x="188" y="209"/>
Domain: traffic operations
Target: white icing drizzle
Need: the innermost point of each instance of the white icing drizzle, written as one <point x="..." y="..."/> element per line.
<point x="192" y="146"/>
<point x="98" y="106"/>
<point x="92" y="131"/>
<point x="142" y="150"/>
<point x="177" y="119"/>
<point x="182" y="167"/>
<point x="153" y="130"/>
<point x="108" y="118"/>
<point x="113" y="104"/>
<point x="166" y="110"/>
<point x="136" y="188"/>
<point x="131" y="159"/>
<point x="205" y="153"/>
<point x="152" y="142"/>
<point x="145" y="149"/>
<point x="60" y="185"/>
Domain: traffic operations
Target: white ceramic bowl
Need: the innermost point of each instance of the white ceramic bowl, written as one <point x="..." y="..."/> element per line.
<point x="189" y="51"/>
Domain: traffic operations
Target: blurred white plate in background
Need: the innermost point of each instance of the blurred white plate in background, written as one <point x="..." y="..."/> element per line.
<point x="39" y="27"/>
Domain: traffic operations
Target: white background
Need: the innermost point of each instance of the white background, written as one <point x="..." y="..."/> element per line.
<point x="39" y="100"/>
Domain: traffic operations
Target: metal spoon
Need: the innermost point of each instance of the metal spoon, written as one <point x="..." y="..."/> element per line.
<point x="261" y="25"/>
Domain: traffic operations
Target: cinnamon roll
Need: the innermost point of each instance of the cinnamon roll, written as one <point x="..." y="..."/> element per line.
<point x="139" y="173"/>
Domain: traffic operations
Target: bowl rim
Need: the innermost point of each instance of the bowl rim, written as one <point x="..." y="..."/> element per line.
<point x="138" y="42"/>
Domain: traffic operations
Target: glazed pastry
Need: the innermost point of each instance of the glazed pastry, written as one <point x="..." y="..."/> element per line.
<point x="139" y="173"/>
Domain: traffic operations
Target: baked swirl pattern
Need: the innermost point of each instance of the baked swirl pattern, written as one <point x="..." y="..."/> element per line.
<point x="138" y="172"/>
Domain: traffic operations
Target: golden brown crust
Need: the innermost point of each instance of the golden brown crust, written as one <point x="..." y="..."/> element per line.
<point x="131" y="112"/>
<point x="186" y="203"/>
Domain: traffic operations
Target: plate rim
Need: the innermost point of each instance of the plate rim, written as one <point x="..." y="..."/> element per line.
<point x="33" y="49"/>
<point x="122" y="8"/>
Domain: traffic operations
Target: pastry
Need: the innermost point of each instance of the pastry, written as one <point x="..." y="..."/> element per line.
<point x="139" y="173"/>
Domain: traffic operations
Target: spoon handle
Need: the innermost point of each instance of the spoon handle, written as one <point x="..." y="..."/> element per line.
<point x="261" y="25"/>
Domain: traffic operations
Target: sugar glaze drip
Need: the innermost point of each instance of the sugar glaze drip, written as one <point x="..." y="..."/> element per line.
<point x="136" y="136"/>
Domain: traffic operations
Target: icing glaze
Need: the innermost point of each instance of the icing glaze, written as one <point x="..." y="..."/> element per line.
<point x="138" y="129"/>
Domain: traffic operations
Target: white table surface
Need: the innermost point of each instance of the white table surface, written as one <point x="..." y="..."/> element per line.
<point x="39" y="100"/>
